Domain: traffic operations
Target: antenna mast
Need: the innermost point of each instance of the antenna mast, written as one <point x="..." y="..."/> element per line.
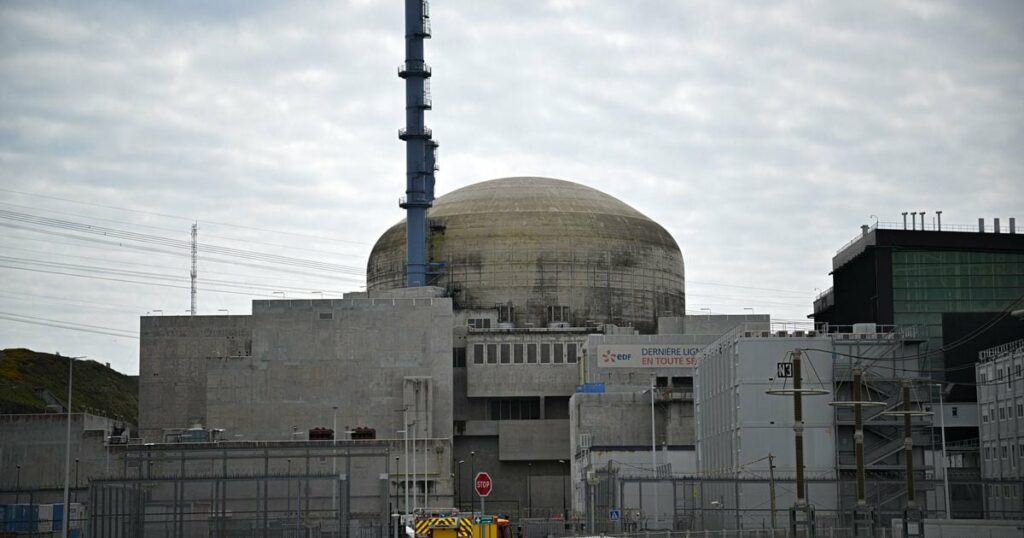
<point x="195" y="229"/>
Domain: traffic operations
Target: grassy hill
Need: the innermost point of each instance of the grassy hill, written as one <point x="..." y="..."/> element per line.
<point x="28" y="378"/>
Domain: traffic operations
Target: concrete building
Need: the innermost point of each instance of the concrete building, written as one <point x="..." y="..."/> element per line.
<point x="1000" y="374"/>
<point x="489" y="359"/>
<point x="533" y="266"/>
<point x="739" y="424"/>
<point x="32" y="452"/>
<point x="284" y="395"/>
<point x="296" y="365"/>
<point x="632" y="383"/>
<point x="957" y="284"/>
<point x="949" y="281"/>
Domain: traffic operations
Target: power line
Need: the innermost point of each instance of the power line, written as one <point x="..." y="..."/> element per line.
<point x="155" y="276"/>
<point x="804" y="293"/>
<point x="32" y="320"/>
<point x="179" y="217"/>
<point x="175" y="230"/>
<point x="211" y="259"/>
<point x="177" y="243"/>
<point x="323" y="279"/>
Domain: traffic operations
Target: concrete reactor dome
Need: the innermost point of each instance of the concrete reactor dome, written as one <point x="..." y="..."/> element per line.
<point x="547" y="251"/>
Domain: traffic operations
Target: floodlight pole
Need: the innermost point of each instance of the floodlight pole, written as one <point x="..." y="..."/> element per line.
<point x="67" y="451"/>
<point x="771" y="486"/>
<point x="908" y="455"/>
<point x="654" y="455"/>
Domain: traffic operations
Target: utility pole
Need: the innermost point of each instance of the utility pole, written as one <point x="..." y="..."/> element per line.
<point x="858" y="436"/>
<point x="861" y="512"/>
<point x="908" y="456"/>
<point x="798" y="429"/>
<point x="771" y="486"/>
<point x="942" y="428"/>
<point x="801" y="514"/>
<point x="195" y="230"/>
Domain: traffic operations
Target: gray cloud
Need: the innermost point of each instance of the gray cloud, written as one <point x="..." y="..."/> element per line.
<point x="760" y="135"/>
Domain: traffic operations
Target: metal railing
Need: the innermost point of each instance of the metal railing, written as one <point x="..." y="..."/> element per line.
<point x="928" y="227"/>
<point x="999" y="351"/>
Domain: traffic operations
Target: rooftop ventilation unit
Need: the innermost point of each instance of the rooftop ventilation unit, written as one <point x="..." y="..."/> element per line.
<point x="865" y="328"/>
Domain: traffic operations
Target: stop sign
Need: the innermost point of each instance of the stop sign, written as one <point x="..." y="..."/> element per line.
<point x="483" y="484"/>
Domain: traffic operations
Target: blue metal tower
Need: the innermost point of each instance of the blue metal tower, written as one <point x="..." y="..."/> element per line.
<point x="420" y="149"/>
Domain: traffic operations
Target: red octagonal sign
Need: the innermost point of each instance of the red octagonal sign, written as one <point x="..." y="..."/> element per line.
<point x="483" y="484"/>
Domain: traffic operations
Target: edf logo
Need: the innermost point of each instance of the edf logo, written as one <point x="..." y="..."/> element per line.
<point x="608" y="356"/>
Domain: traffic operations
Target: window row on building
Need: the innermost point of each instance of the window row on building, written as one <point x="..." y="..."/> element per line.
<point x="1002" y="410"/>
<point x="1008" y="491"/>
<point x="526" y="353"/>
<point x="997" y="374"/>
<point x="1004" y="451"/>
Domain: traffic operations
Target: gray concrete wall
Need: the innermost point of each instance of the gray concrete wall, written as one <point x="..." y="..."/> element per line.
<point x="173" y="352"/>
<point x="366" y="357"/>
<point x="36" y="442"/>
<point x="497" y="379"/>
<point x="519" y="486"/>
<point x="524" y="440"/>
<point x="624" y="420"/>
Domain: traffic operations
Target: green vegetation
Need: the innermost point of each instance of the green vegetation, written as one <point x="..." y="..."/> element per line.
<point x="29" y="381"/>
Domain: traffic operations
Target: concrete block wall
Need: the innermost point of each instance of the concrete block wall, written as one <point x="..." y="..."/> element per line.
<point x="363" y="356"/>
<point x="173" y="355"/>
<point x="36" y="442"/>
<point x="624" y="420"/>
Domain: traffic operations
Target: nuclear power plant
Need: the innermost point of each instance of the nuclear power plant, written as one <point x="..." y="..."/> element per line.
<point x="535" y="329"/>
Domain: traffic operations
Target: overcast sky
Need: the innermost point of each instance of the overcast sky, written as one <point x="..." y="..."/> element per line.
<point x="761" y="136"/>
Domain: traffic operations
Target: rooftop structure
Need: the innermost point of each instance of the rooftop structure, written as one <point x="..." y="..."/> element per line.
<point x="914" y="277"/>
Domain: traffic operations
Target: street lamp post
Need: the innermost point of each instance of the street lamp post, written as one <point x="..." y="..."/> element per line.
<point x="394" y="515"/>
<point x="334" y="458"/>
<point x="76" y="480"/>
<point x="405" y="478"/>
<point x="458" y="484"/>
<point x="67" y="449"/>
<point x="565" y="476"/>
<point x="529" y="491"/>
<point x="654" y="452"/>
<point x="472" y="472"/>
<point x="414" y="485"/>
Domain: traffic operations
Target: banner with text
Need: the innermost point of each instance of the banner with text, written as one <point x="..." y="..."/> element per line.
<point x="647" y="355"/>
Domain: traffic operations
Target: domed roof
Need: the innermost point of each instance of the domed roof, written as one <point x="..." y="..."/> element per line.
<point x="532" y="240"/>
<point x="563" y="203"/>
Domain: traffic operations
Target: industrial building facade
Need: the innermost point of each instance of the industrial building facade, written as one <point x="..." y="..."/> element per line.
<point x="1000" y="373"/>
